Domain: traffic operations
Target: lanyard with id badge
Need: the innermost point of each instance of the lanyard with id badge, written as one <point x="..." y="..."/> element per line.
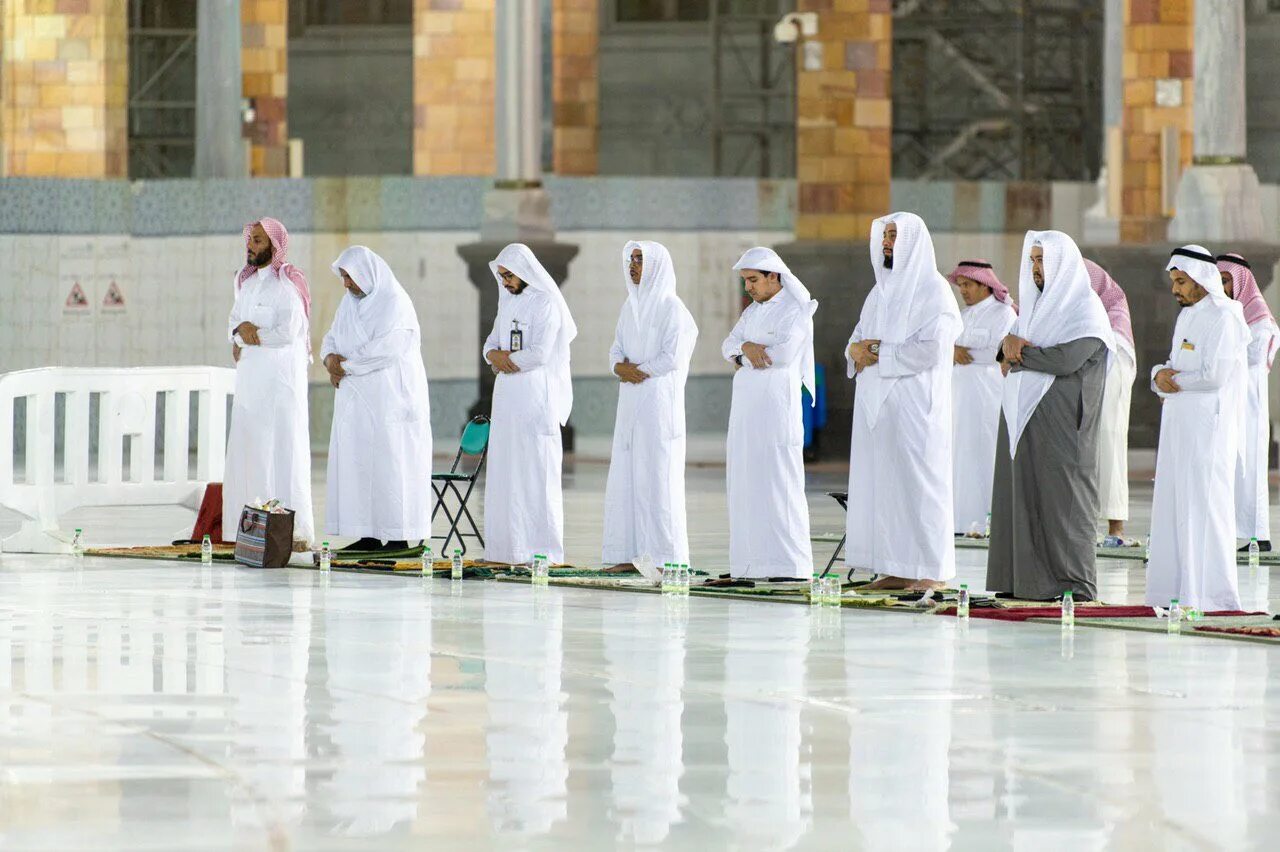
<point x="517" y="337"/>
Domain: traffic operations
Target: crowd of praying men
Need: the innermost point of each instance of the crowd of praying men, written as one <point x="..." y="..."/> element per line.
<point x="992" y="419"/>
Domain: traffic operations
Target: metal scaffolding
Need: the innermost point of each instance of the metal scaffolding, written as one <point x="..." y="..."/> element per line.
<point x="997" y="89"/>
<point x="752" y="90"/>
<point x="162" y="88"/>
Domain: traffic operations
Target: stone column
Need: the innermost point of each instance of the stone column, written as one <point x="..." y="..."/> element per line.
<point x="64" y="85"/>
<point x="453" y="87"/>
<point x="575" y="86"/>
<point x="1156" y="117"/>
<point x="264" y="65"/>
<point x="844" y="119"/>
<point x="220" y="145"/>
<point x="1218" y="197"/>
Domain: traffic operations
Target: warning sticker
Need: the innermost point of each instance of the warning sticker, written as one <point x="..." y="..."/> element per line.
<point x="76" y="299"/>
<point x="114" y="300"/>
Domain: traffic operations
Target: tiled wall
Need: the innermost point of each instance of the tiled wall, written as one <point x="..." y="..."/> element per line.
<point x="453" y="87"/>
<point x="1157" y="57"/>
<point x="575" y="86"/>
<point x="63" y="88"/>
<point x="264" y="58"/>
<point x="844" y="121"/>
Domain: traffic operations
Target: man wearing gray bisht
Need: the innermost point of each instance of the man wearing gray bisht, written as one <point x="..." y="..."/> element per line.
<point x="1044" y="502"/>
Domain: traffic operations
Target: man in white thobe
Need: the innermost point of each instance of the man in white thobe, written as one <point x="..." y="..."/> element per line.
<point x="528" y="349"/>
<point x="771" y="348"/>
<point x="976" y="380"/>
<point x="1202" y="386"/>
<point x="380" y="442"/>
<point x="1113" y="431"/>
<point x="644" y="514"/>
<point x="269" y="444"/>
<point x="1253" y="510"/>
<point x="899" y="521"/>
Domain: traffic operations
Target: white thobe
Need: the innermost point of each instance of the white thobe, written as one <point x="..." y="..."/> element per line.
<point x="1113" y="434"/>
<point x="900" y="499"/>
<point x="380" y="443"/>
<point x="523" y="504"/>
<point x="768" y="511"/>
<point x="1252" y="487"/>
<point x="975" y="400"/>
<point x="269" y="445"/>
<point x="644" y="508"/>
<point x="1193" y="510"/>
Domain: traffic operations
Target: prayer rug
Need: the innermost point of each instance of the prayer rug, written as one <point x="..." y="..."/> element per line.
<point x="1259" y="630"/>
<point x="1084" y="610"/>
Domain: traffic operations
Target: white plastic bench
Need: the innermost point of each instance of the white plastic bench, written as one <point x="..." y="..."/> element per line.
<point x="127" y="407"/>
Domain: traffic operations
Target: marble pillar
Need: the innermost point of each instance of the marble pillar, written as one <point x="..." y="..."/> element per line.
<point x="220" y="143"/>
<point x="1218" y="199"/>
<point x="518" y="207"/>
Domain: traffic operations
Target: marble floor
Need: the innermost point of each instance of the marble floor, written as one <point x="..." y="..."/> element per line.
<point x="145" y="706"/>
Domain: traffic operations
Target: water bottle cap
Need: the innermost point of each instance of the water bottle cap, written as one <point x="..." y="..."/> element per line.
<point x="79" y="530"/>
<point x="457" y="550"/>
<point x="1068" y="594"/>
<point x="964" y="586"/>
<point x="325" y="543"/>
<point x="1173" y="601"/>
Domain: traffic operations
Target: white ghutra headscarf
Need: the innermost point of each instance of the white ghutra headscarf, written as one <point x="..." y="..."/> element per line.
<point x="767" y="260"/>
<point x="519" y="259"/>
<point x="653" y="304"/>
<point x="384" y="308"/>
<point x="1067" y="310"/>
<point x="912" y="294"/>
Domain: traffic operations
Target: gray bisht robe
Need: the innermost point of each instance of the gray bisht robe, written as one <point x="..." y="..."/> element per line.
<point x="1044" y="502"/>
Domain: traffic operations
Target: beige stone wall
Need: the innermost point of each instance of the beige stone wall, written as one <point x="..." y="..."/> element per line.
<point x="575" y="83"/>
<point x="453" y="77"/>
<point x="844" y="121"/>
<point x="1158" y="37"/>
<point x="264" y="68"/>
<point x="63" y="88"/>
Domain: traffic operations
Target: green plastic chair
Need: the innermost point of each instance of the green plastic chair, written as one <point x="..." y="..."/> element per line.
<point x="467" y="464"/>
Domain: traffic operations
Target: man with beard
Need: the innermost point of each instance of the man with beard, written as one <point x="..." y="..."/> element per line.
<point x="1202" y="387"/>
<point x="528" y="349"/>
<point x="899" y="521"/>
<point x="269" y="447"/>
<point x="1044" y="502"/>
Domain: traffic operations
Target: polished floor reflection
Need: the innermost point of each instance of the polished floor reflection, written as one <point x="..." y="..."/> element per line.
<point x="144" y="706"/>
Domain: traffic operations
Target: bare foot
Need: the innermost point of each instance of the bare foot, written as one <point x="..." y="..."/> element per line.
<point x="926" y="585"/>
<point x="621" y="568"/>
<point x="890" y="584"/>
<point x="1115" y="528"/>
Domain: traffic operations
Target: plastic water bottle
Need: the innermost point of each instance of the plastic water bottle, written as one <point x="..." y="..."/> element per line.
<point x="685" y="576"/>
<point x="1146" y="550"/>
<point x="817" y="590"/>
<point x="962" y="606"/>
<point x="541" y="569"/>
<point x="455" y="567"/>
<point x="986" y="531"/>
<point x="1255" y="554"/>
<point x="206" y="550"/>
<point x="326" y="557"/>
<point x="428" y="562"/>
<point x="668" y="584"/>
<point x="1068" y="609"/>
<point x="77" y="544"/>
<point x="834" y="593"/>
<point x="1174" y="622"/>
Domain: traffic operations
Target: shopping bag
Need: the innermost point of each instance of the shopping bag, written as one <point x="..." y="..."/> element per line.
<point x="264" y="539"/>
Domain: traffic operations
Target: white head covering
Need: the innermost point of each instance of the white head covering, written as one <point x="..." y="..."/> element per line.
<point x="384" y="308"/>
<point x="1199" y="263"/>
<point x="1067" y="310"/>
<point x="912" y="294"/>
<point x="767" y="260"/>
<point x="519" y="259"/>
<point x="654" y="300"/>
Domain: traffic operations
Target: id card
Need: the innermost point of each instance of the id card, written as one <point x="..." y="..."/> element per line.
<point x="1188" y="346"/>
<point x="517" y="337"/>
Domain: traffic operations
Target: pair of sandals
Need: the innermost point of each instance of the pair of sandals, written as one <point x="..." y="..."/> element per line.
<point x="373" y="545"/>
